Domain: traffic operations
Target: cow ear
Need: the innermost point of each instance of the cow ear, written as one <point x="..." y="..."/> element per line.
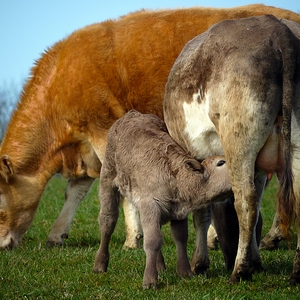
<point x="6" y="167"/>
<point x="194" y="166"/>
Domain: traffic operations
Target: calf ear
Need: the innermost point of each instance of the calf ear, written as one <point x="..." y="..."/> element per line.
<point x="6" y="167"/>
<point x="194" y="166"/>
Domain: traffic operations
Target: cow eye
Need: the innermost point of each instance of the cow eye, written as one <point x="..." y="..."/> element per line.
<point x="221" y="163"/>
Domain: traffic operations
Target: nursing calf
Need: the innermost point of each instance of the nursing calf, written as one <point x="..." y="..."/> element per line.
<point x="144" y="164"/>
<point x="234" y="90"/>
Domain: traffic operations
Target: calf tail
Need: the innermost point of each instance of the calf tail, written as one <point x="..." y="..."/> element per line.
<point x="286" y="198"/>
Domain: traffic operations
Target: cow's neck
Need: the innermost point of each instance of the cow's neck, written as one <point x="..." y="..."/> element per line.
<point x="33" y="142"/>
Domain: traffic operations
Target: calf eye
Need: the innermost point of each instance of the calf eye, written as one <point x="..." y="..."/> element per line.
<point x="221" y="163"/>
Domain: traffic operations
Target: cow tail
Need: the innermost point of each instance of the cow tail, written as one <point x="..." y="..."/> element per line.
<point x="286" y="198"/>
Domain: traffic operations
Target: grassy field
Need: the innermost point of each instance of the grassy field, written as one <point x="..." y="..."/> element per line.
<point x="33" y="271"/>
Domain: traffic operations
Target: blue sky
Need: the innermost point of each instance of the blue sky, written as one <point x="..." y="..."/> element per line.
<point x="29" y="27"/>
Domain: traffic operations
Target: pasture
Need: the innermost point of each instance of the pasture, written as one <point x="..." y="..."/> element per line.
<point x="33" y="271"/>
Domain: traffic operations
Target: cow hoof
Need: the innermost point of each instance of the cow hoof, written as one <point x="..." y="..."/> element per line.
<point x="139" y="236"/>
<point x="56" y="240"/>
<point x="133" y="244"/>
<point x="258" y="267"/>
<point x="269" y="244"/>
<point x="295" y="279"/>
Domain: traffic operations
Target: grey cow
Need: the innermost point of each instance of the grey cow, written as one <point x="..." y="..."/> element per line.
<point x="235" y="90"/>
<point x="143" y="163"/>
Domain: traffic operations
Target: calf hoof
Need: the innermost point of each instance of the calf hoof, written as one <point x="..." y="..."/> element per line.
<point x="244" y="275"/>
<point x="100" y="267"/>
<point x="149" y="285"/>
<point x="199" y="267"/>
<point x="186" y="273"/>
<point x="56" y="240"/>
<point x="101" y="262"/>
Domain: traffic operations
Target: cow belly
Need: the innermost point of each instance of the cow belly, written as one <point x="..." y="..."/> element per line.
<point x="202" y="136"/>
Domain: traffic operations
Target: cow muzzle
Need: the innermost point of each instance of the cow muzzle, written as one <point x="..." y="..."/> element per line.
<point x="8" y="241"/>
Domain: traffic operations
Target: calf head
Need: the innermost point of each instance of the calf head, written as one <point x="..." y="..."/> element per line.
<point x="215" y="184"/>
<point x="16" y="206"/>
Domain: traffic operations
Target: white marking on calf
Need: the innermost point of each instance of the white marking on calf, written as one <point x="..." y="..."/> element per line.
<point x="202" y="135"/>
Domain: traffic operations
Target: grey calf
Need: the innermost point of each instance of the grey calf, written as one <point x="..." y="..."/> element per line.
<point x="143" y="163"/>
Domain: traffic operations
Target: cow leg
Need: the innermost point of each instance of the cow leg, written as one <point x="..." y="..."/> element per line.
<point x="180" y="235"/>
<point x="200" y="260"/>
<point x="75" y="192"/>
<point x="108" y="216"/>
<point x="295" y="276"/>
<point x="226" y="224"/>
<point x="260" y="184"/>
<point x="153" y="240"/>
<point x="212" y="237"/>
<point x="225" y="221"/>
<point x="247" y="208"/>
<point x="246" y="211"/>
<point x="274" y="236"/>
<point x="134" y="232"/>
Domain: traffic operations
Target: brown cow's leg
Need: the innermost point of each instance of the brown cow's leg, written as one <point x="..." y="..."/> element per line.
<point x="180" y="236"/>
<point x="212" y="238"/>
<point x="134" y="232"/>
<point x="75" y="192"/>
<point x="200" y="260"/>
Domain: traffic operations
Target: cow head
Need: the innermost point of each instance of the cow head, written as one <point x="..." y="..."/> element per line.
<point x="18" y="203"/>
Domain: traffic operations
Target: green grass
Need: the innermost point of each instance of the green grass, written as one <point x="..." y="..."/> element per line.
<point x="33" y="271"/>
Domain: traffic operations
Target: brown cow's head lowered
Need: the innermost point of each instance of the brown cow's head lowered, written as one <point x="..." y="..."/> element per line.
<point x="16" y="212"/>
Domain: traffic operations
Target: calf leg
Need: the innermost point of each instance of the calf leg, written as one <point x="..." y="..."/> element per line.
<point x="75" y="192"/>
<point x="109" y="212"/>
<point x="153" y="240"/>
<point x="180" y="235"/>
<point x="160" y="262"/>
<point x="200" y="260"/>
<point x="134" y="232"/>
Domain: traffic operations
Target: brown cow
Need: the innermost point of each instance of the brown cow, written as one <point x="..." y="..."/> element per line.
<point x="227" y="93"/>
<point x="78" y="88"/>
<point x="144" y="164"/>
